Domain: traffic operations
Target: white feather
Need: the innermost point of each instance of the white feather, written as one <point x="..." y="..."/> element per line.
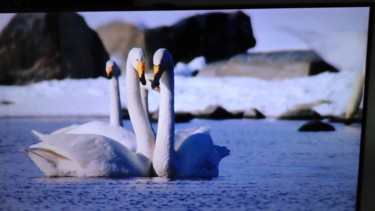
<point x="195" y="154"/>
<point x="97" y="148"/>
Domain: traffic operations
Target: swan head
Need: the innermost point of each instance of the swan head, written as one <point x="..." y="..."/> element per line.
<point x="112" y="69"/>
<point x="163" y="61"/>
<point x="137" y="61"/>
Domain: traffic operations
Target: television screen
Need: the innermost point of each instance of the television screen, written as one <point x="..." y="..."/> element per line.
<point x="276" y="95"/>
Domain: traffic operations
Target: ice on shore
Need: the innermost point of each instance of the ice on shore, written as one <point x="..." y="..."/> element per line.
<point x="90" y="97"/>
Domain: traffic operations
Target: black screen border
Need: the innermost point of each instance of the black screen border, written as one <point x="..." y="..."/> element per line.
<point x="366" y="174"/>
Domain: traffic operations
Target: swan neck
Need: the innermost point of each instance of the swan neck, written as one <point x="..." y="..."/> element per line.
<point x="164" y="156"/>
<point x="144" y="99"/>
<point x="142" y="127"/>
<point x="115" y="115"/>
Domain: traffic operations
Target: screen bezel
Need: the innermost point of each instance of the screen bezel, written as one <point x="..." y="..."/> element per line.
<point x="366" y="183"/>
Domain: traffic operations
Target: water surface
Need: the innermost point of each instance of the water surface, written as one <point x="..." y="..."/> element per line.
<point x="271" y="167"/>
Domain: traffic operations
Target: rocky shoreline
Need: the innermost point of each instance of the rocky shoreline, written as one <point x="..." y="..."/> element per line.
<point x="216" y="112"/>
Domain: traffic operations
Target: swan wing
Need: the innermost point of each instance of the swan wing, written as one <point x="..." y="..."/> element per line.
<point x="65" y="129"/>
<point x="86" y="155"/>
<point x="199" y="157"/>
<point x="181" y="135"/>
<point x="59" y="131"/>
<point x="117" y="133"/>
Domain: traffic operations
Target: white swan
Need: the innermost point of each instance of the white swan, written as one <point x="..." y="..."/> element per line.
<point x="115" y="113"/>
<point x="88" y="155"/>
<point x="135" y="71"/>
<point x="114" y="130"/>
<point x="196" y="155"/>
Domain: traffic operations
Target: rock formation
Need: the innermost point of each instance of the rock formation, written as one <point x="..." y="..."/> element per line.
<point x="39" y="46"/>
<point x="270" y="65"/>
<point x="316" y="126"/>
<point x="215" y="36"/>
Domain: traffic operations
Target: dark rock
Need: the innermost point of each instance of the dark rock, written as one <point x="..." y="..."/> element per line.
<point x="357" y="118"/>
<point x="39" y="46"/>
<point x="183" y="117"/>
<point x="318" y="66"/>
<point x="316" y="126"/>
<point x="195" y="73"/>
<point x="217" y="112"/>
<point x="215" y="36"/>
<point x="6" y="102"/>
<point x="253" y="114"/>
<point x="300" y="114"/>
<point x="178" y="117"/>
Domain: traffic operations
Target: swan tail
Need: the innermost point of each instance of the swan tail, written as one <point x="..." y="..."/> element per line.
<point x="222" y="151"/>
<point x="45" y="160"/>
<point x="203" y="129"/>
<point x="38" y="134"/>
<point x="181" y="135"/>
<point x="68" y="129"/>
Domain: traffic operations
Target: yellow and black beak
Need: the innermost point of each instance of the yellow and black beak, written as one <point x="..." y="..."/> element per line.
<point x="141" y="72"/>
<point x="156" y="69"/>
<point x="157" y="75"/>
<point x="109" y="71"/>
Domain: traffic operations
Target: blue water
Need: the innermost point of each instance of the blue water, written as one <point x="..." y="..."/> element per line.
<point x="271" y="167"/>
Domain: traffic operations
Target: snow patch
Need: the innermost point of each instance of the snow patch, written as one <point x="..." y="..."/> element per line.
<point x="90" y="97"/>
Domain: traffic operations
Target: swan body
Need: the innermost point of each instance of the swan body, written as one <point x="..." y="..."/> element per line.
<point x="195" y="155"/>
<point x="74" y="151"/>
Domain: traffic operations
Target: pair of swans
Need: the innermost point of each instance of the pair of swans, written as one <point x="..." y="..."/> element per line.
<point x="102" y="149"/>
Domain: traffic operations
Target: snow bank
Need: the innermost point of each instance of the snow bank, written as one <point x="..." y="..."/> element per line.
<point x="90" y="97"/>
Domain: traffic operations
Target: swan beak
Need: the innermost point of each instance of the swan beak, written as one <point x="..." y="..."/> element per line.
<point x="155" y="85"/>
<point x="109" y="71"/>
<point x="141" y="72"/>
<point x="156" y="69"/>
